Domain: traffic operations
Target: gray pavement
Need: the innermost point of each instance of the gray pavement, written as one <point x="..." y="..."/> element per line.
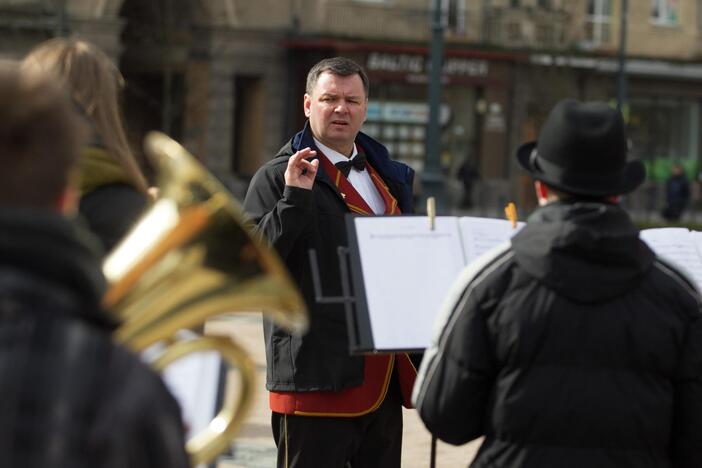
<point x="254" y="447"/>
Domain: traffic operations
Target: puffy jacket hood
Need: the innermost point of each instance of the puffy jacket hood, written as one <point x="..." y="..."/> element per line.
<point x="586" y="251"/>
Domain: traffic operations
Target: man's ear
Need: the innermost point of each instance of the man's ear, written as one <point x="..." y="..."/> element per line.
<point x="542" y="192"/>
<point x="67" y="202"/>
<point x="307" y="103"/>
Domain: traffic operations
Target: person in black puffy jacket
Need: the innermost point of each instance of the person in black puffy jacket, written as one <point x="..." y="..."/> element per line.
<point x="575" y="345"/>
<point x="69" y="396"/>
<point x="113" y="190"/>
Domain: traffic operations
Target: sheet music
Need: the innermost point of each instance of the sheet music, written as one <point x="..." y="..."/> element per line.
<point x="193" y="381"/>
<point x="680" y="247"/>
<point x="697" y="239"/>
<point x="407" y="270"/>
<point x="479" y="235"/>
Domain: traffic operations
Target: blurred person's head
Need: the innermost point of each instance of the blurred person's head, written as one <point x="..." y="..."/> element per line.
<point x="336" y="101"/>
<point x="94" y="83"/>
<point x="676" y="169"/>
<point x="41" y="136"/>
<point x="581" y="153"/>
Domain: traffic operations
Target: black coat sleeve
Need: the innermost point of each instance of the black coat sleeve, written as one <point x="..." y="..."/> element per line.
<point x="111" y="211"/>
<point x="281" y="213"/>
<point x="139" y="424"/>
<point x="687" y="422"/>
<point x="158" y="436"/>
<point x="457" y="374"/>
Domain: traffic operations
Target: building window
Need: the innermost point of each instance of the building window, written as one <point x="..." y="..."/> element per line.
<point x="545" y="34"/>
<point x="454" y="15"/>
<point x="598" y="22"/>
<point x="665" y="12"/>
<point x="514" y="31"/>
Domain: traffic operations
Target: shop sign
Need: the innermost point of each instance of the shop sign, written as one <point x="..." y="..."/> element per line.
<point x="374" y="112"/>
<point x="418" y="64"/>
<point x="400" y="63"/>
<point x="660" y="68"/>
<point x="495" y="120"/>
<point x="404" y="112"/>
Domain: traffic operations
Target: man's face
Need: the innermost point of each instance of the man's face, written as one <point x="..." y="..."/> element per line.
<point x="336" y="110"/>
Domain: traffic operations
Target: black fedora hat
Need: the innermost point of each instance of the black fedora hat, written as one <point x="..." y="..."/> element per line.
<point x="582" y="150"/>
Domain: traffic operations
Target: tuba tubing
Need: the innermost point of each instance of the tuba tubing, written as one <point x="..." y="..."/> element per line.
<point x="190" y="257"/>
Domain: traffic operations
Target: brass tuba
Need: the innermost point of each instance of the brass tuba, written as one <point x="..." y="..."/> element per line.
<point x="191" y="257"/>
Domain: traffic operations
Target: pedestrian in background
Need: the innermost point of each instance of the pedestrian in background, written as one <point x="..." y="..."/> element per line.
<point x="113" y="190"/>
<point x="468" y="175"/>
<point x="573" y="346"/>
<point x="69" y="397"/>
<point x="330" y="408"/>
<point x="677" y="193"/>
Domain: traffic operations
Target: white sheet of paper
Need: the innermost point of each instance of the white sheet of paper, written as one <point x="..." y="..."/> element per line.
<point x="680" y="247"/>
<point x="697" y="238"/>
<point x="407" y="270"/>
<point x="482" y="234"/>
<point x="193" y="381"/>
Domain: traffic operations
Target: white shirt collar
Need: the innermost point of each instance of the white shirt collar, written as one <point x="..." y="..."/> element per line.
<point x="333" y="155"/>
<point x="360" y="180"/>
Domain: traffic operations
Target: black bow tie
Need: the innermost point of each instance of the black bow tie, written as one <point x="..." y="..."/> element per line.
<point x="358" y="162"/>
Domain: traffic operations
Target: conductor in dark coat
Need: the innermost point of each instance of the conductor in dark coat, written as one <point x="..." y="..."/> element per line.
<point x="328" y="407"/>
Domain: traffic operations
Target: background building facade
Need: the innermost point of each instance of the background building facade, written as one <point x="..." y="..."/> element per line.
<point x="226" y="77"/>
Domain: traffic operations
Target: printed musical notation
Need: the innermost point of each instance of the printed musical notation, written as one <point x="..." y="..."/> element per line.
<point x="679" y="246"/>
<point x="407" y="270"/>
<point x="482" y="234"/>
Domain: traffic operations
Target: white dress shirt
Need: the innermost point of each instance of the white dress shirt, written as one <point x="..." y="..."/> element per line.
<point x="360" y="180"/>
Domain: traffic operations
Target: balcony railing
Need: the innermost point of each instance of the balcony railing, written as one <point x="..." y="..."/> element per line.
<point x="528" y="28"/>
<point x="501" y="27"/>
<point x="393" y="21"/>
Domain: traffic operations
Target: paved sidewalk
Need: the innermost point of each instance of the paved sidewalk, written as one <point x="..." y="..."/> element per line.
<point x="254" y="448"/>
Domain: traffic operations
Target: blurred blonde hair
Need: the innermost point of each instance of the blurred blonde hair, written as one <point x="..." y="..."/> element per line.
<point x="94" y="83"/>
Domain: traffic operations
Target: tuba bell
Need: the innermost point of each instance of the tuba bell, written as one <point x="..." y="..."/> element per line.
<point x="190" y="257"/>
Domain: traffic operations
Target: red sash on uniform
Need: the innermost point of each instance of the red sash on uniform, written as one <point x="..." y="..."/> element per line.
<point x="365" y="398"/>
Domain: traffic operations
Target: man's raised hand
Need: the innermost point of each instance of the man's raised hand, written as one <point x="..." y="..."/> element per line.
<point x="300" y="172"/>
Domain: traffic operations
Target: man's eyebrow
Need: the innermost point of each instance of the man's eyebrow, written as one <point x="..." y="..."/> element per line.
<point x="348" y="96"/>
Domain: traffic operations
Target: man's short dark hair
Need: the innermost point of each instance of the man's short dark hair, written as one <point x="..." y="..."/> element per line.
<point x="573" y="198"/>
<point x="40" y="138"/>
<point x="341" y="66"/>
